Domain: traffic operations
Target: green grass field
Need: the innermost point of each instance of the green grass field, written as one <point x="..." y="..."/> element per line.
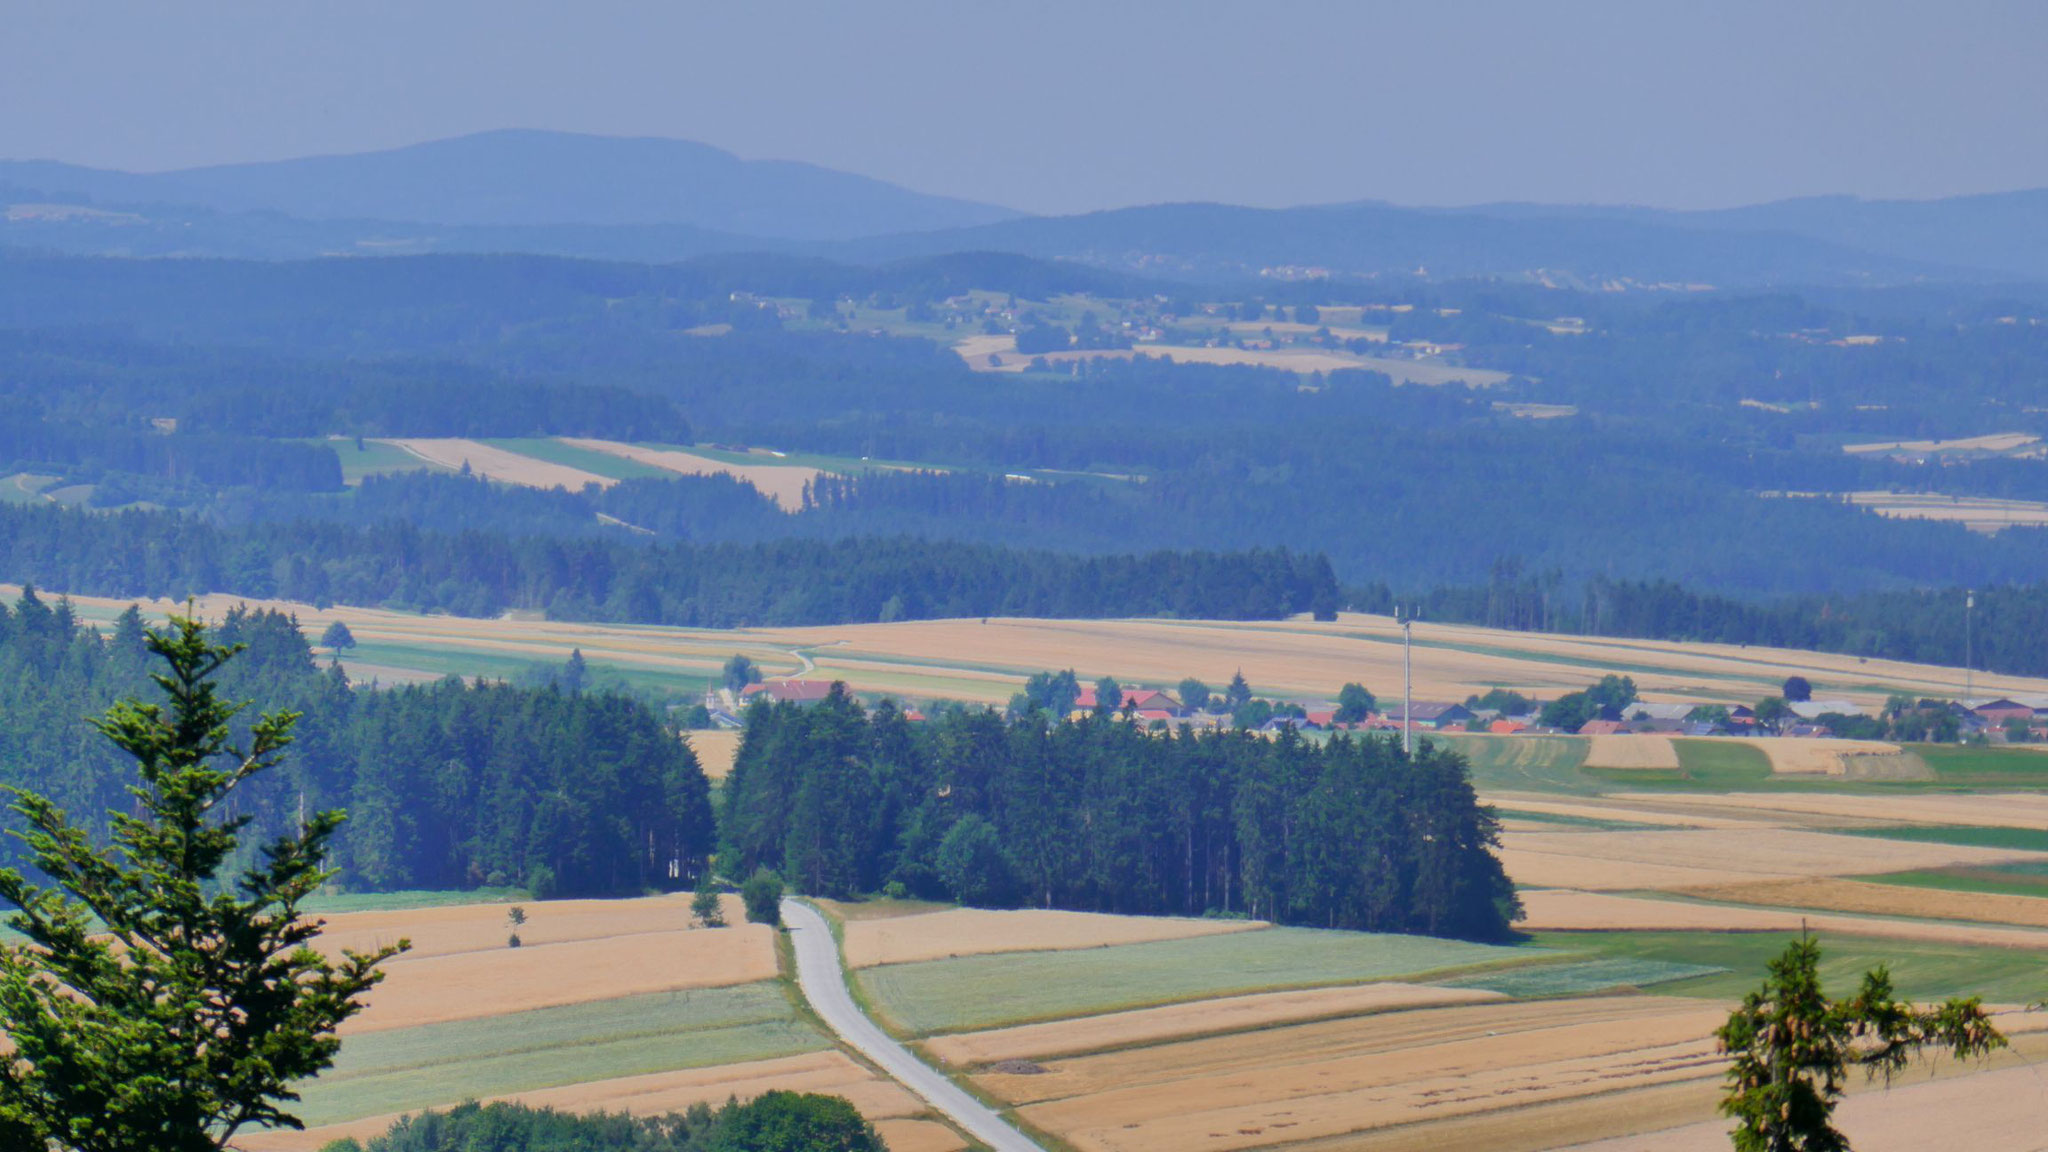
<point x="373" y="458"/>
<point x="1920" y="970"/>
<point x="2020" y="839"/>
<point x="975" y="992"/>
<point x="2004" y="880"/>
<point x="409" y="1068"/>
<point x="1578" y="978"/>
<point x="451" y="660"/>
<point x="1588" y="823"/>
<point x="337" y="903"/>
<point x="589" y="460"/>
<point x="1968" y="766"/>
<point x="1722" y="765"/>
<point x="1527" y="763"/>
<point x="24" y="488"/>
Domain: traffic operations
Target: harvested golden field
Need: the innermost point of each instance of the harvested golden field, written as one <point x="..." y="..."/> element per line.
<point x="975" y="931"/>
<point x="466" y="985"/>
<point x="715" y="749"/>
<point x="446" y="930"/>
<point x="1633" y="752"/>
<point x="1674" y="812"/>
<point x="1886" y="900"/>
<point x="1336" y="1078"/>
<point x="827" y="1072"/>
<point x="984" y="661"/>
<point x="784" y="483"/>
<point x="1301" y="656"/>
<point x="1565" y="911"/>
<point x="1996" y="442"/>
<point x="977" y="351"/>
<point x="1867" y="758"/>
<point x="460" y="966"/>
<point x="1984" y="1111"/>
<point x="1993" y="809"/>
<point x="1620" y="861"/>
<point x="499" y="464"/>
<point x="1182" y="1021"/>
<point x="1981" y="513"/>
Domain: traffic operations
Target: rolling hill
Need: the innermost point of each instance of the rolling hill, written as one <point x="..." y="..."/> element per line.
<point x="524" y="179"/>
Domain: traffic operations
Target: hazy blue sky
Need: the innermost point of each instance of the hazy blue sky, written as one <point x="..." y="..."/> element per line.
<point x="1050" y="105"/>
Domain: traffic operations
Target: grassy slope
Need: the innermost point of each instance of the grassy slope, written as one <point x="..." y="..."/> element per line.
<point x="408" y="1068"/>
<point x="373" y="458"/>
<point x="990" y="991"/>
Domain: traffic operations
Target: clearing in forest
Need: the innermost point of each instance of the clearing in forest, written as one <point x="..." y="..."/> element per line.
<point x="1995" y="442"/>
<point x="784" y="483"/>
<point x="999" y="354"/>
<point x="500" y="464"/>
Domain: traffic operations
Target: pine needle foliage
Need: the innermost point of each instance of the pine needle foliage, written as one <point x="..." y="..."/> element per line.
<point x="165" y="1000"/>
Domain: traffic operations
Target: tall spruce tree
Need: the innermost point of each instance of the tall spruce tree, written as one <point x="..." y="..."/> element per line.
<point x="160" y="1005"/>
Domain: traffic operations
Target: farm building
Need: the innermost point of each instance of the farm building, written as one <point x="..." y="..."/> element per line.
<point x="1432" y="715"/>
<point x="1141" y="699"/>
<point x="2000" y="711"/>
<point x="788" y="691"/>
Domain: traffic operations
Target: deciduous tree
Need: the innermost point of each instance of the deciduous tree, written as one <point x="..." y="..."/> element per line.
<point x="1792" y="1047"/>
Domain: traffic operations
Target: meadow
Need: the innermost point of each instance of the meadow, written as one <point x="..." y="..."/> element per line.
<point x="991" y="991"/>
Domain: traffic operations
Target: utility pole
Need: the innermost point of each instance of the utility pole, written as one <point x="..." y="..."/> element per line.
<point x="1407" y="680"/>
<point x="1969" y="648"/>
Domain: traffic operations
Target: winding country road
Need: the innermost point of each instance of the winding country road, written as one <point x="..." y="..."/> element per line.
<point x="823" y="980"/>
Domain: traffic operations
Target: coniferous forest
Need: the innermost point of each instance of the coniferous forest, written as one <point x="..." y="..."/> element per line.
<point x="447" y="785"/>
<point x="457" y="785"/>
<point x="1099" y="815"/>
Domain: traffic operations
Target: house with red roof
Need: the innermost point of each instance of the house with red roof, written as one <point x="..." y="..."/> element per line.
<point x="787" y="691"/>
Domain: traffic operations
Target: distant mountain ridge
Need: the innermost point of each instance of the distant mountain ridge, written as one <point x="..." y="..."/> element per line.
<point x="524" y="178"/>
<point x="659" y="201"/>
<point x="1996" y="231"/>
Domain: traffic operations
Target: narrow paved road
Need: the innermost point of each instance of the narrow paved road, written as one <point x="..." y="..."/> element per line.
<point x="823" y="980"/>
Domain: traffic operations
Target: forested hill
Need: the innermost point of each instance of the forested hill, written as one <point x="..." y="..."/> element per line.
<point x="785" y="582"/>
<point x="1099" y="815"/>
<point x="1922" y="625"/>
<point x="450" y="785"/>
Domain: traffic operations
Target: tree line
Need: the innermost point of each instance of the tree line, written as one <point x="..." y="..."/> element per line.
<point x="612" y="579"/>
<point x="449" y="785"/>
<point x="1099" y="815"/>
<point x="1923" y="625"/>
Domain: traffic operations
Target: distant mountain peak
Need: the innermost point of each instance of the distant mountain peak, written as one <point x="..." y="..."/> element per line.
<point x="524" y="177"/>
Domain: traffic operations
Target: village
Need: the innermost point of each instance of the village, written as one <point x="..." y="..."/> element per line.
<point x="1607" y="708"/>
